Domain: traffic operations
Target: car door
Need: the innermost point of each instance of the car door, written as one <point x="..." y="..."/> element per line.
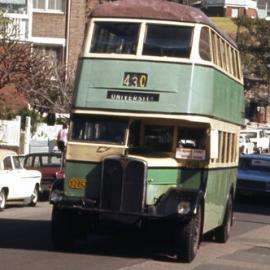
<point x="26" y="180"/>
<point x="11" y="178"/>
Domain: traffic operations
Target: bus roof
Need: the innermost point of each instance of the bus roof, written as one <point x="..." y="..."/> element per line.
<point x="155" y="10"/>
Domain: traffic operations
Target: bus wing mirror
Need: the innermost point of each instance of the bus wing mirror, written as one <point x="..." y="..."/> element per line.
<point x="214" y="144"/>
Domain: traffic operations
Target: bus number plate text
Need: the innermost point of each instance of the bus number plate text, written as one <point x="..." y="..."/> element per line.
<point x="135" y="79"/>
<point x="77" y="183"/>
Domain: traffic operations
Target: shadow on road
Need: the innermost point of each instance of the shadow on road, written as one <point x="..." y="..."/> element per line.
<point x="35" y="235"/>
<point x="253" y="205"/>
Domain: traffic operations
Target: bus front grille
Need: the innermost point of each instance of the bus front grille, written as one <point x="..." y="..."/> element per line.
<point x="123" y="185"/>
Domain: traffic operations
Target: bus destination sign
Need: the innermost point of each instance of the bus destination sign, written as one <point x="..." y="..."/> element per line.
<point x="128" y="96"/>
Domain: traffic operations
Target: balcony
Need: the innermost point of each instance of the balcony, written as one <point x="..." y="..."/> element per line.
<point x="236" y="3"/>
<point x="18" y="12"/>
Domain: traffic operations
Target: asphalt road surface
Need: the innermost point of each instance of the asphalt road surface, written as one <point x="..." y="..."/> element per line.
<point x="25" y="244"/>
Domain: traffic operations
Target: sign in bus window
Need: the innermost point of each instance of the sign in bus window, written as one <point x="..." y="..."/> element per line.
<point x="191" y="143"/>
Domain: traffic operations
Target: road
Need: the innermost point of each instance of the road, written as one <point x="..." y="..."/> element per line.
<point x="25" y="244"/>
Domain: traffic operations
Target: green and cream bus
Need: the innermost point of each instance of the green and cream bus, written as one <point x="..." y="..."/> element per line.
<point x="154" y="126"/>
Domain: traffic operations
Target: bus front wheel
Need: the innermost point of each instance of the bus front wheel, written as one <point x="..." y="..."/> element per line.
<point x="188" y="238"/>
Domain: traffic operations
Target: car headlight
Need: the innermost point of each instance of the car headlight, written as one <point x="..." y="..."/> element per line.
<point x="183" y="207"/>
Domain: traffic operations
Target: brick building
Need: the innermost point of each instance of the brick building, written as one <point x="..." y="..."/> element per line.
<point x="55" y="26"/>
<point x="230" y="8"/>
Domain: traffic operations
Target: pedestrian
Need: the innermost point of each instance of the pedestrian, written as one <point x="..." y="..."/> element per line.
<point x="62" y="138"/>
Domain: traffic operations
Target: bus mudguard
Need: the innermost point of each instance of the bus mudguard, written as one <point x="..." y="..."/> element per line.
<point x="177" y="202"/>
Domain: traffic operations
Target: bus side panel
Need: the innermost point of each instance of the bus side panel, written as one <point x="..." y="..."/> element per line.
<point x="161" y="179"/>
<point x="217" y="190"/>
<point x="226" y="94"/>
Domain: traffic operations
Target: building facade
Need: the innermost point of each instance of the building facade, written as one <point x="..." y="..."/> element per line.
<point x="230" y="8"/>
<point x="57" y="26"/>
<point x="54" y="26"/>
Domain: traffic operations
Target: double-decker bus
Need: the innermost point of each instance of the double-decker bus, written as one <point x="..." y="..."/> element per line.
<point x="154" y="127"/>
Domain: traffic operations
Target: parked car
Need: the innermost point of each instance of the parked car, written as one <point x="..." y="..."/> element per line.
<point x="17" y="183"/>
<point x="49" y="164"/>
<point x="253" y="175"/>
<point x="245" y="145"/>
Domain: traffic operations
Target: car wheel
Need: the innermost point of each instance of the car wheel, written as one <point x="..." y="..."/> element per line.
<point x="34" y="197"/>
<point x="188" y="238"/>
<point x="61" y="229"/>
<point x="3" y="200"/>
<point x="222" y="233"/>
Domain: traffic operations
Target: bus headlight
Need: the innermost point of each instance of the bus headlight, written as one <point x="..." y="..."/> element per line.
<point x="56" y="196"/>
<point x="183" y="208"/>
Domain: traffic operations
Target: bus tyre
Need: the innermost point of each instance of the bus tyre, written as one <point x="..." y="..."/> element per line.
<point x="188" y="238"/>
<point x="3" y="200"/>
<point x="61" y="230"/>
<point x="222" y="233"/>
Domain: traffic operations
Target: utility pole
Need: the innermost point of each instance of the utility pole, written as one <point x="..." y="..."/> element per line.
<point x="268" y="82"/>
<point x="268" y="97"/>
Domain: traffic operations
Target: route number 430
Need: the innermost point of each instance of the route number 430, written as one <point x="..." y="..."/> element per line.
<point x="135" y="79"/>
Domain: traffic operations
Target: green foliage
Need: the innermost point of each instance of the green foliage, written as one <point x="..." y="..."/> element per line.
<point x="35" y="118"/>
<point x="5" y="112"/>
<point x="253" y="40"/>
<point x="227" y="24"/>
<point x="3" y="20"/>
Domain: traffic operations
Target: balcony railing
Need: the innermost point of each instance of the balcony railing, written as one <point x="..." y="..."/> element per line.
<point x="239" y="3"/>
<point x="18" y="27"/>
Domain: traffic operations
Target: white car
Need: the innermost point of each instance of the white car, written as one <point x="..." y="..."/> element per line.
<point x="17" y="183"/>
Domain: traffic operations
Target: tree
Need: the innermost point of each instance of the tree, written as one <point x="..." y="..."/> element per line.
<point x="253" y="40"/>
<point x="49" y="85"/>
<point x="46" y="84"/>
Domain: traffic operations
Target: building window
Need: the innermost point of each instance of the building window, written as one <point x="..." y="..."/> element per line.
<point x="53" y="53"/>
<point x="49" y="5"/>
<point x="235" y="13"/>
<point x="17" y="7"/>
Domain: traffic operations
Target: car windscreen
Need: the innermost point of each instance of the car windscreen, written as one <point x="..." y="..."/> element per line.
<point x="250" y="134"/>
<point x="254" y="164"/>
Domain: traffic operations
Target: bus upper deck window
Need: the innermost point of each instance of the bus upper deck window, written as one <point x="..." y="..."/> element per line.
<point x="204" y="47"/>
<point x="115" y="37"/>
<point x="168" y="40"/>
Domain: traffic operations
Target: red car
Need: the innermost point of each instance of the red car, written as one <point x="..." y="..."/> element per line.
<point x="49" y="164"/>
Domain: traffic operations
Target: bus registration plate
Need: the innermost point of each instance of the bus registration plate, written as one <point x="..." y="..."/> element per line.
<point x="135" y="79"/>
<point x="77" y="183"/>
